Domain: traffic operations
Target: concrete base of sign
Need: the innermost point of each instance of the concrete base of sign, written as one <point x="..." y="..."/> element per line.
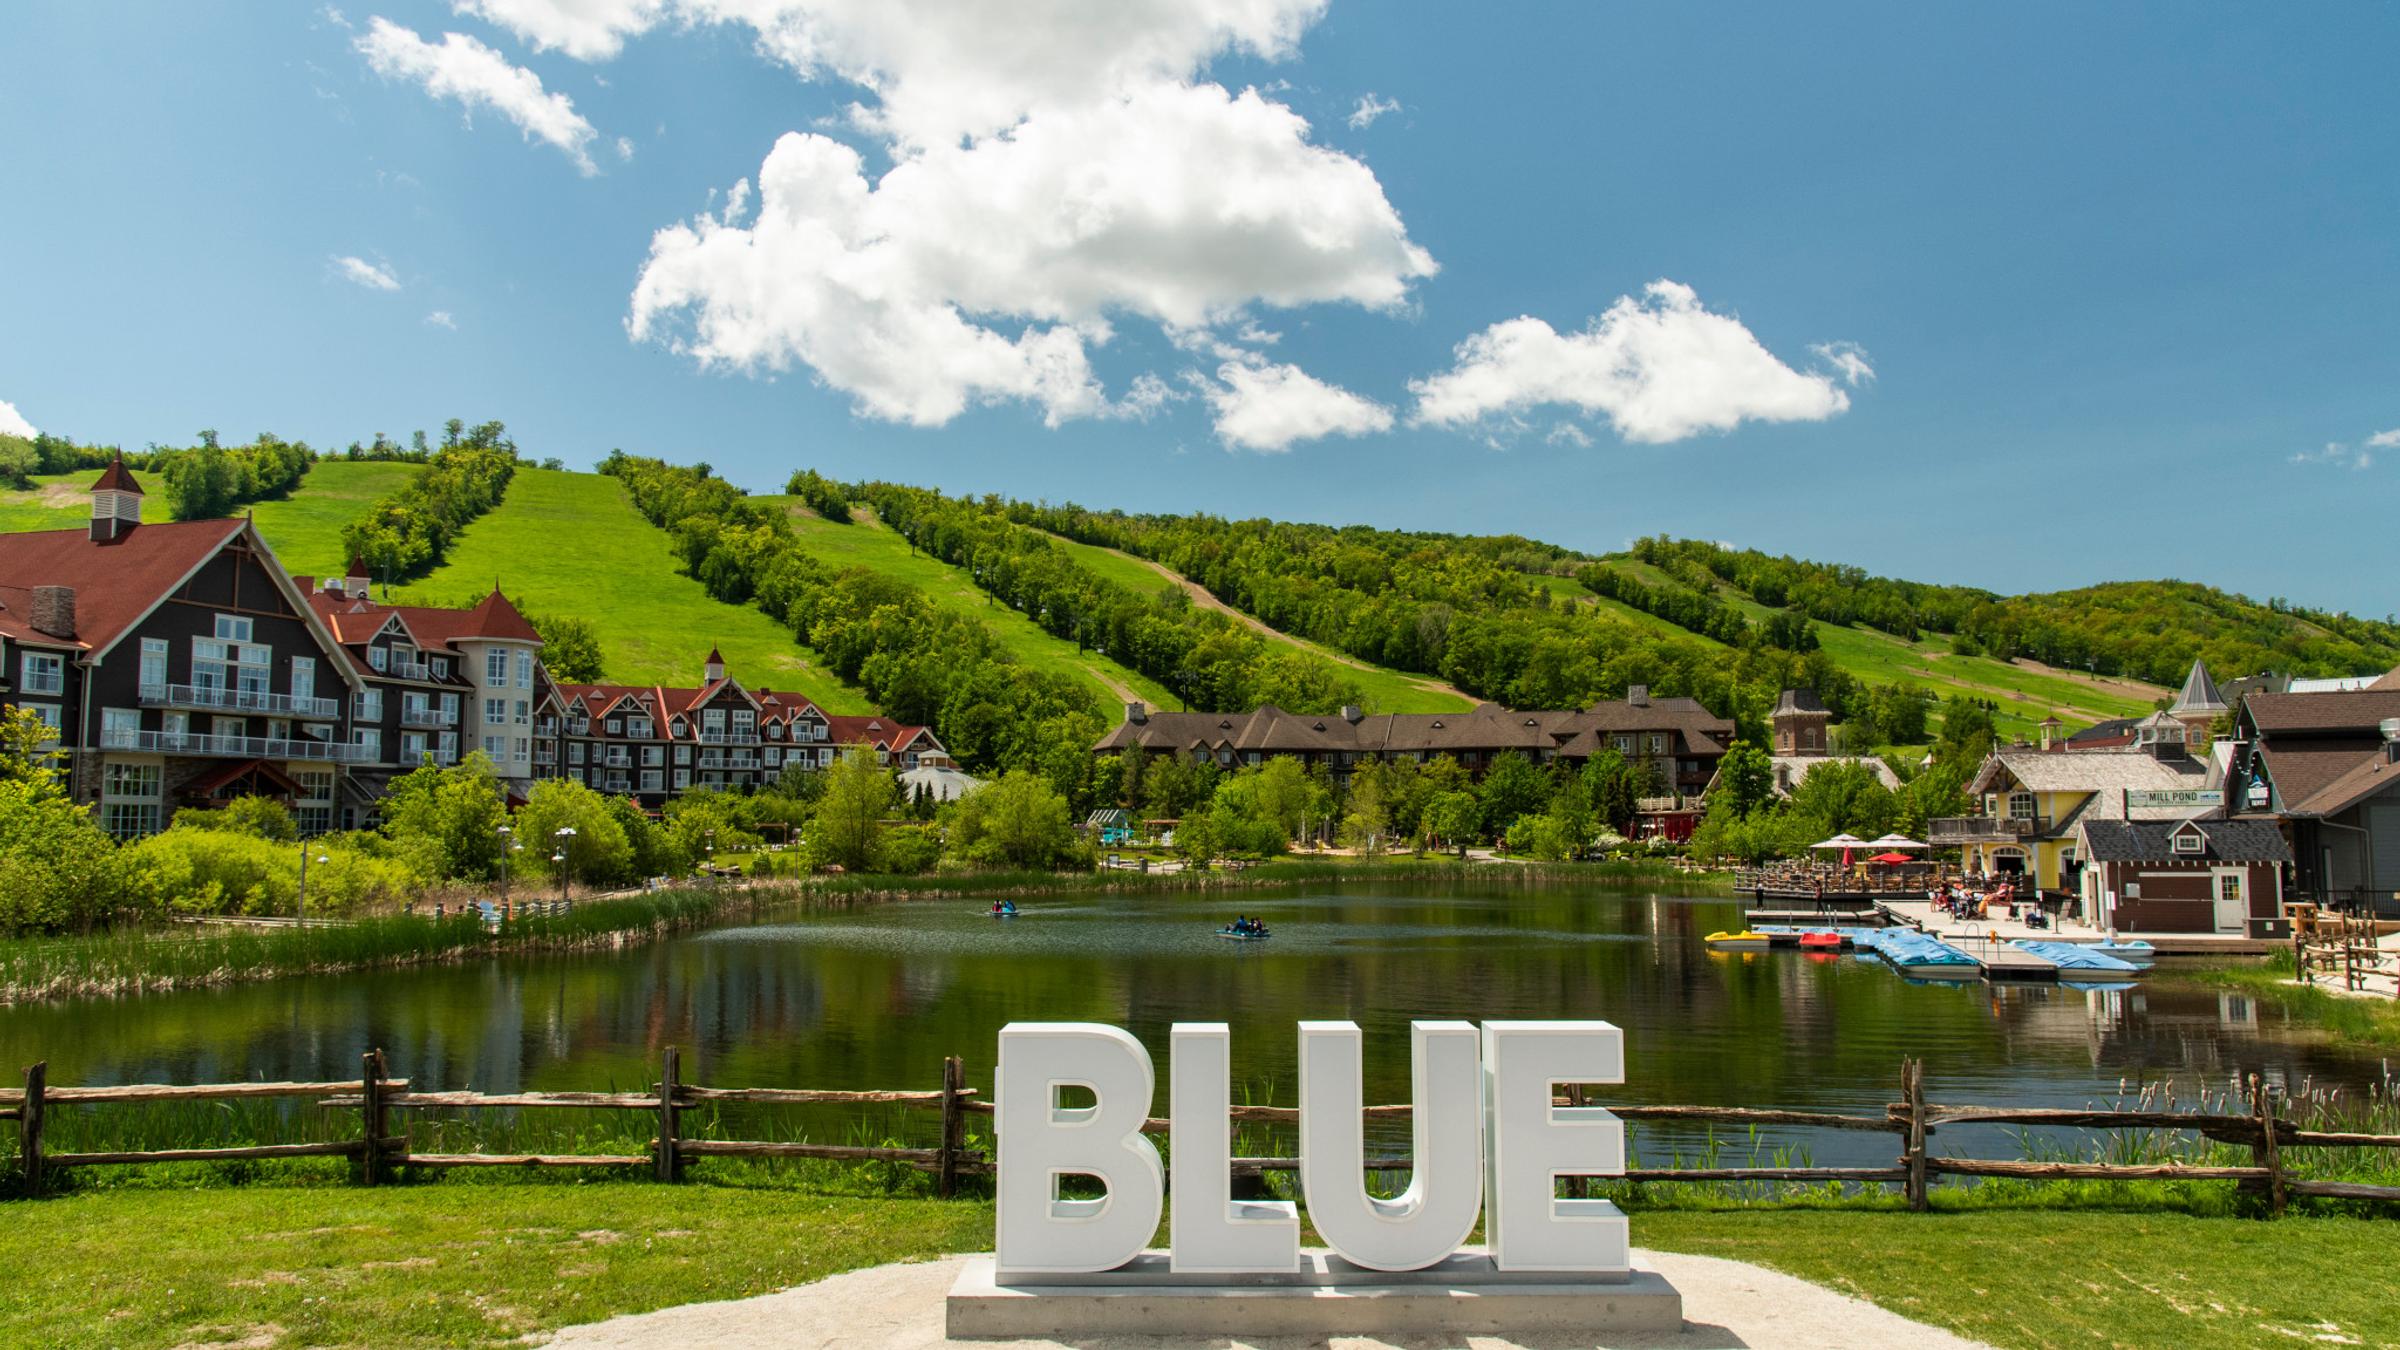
<point x="1328" y="1297"/>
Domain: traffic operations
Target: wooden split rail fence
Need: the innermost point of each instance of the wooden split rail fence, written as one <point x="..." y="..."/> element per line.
<point x="375" y="1096"/>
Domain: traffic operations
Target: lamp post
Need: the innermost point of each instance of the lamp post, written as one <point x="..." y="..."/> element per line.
<point x="506" y="845"/>
<point x="566" y="841"/>
<point x="709" y="846"/>
<point x="302" y="920"/>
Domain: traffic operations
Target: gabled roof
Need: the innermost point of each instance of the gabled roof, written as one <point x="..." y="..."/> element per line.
<point x="2231" y="841"/>
<point x="2103" y="772"/>
<point x="2200" y="693"/>
<point x="2388" y="682"/>
<point x="2369" y="774"/>
<point x="2358" y="711"/>
<point x="1799" y="701"/>
<point x="117" y="581"/>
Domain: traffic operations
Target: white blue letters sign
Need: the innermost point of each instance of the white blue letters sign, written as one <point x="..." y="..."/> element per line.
<point x="1489" y="1140"/>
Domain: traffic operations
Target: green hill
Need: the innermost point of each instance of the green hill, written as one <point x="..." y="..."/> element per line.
<point x="305" y="529"/>
<point x="865" y="542"/>
<point x="63" y="501"/>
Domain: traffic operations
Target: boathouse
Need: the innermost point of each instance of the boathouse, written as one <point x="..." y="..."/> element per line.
<point x="2189" y="876"/>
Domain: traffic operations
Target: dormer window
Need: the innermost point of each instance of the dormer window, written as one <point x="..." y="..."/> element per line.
<point x="2188" y="841"/>
<point x="378" y="658"/>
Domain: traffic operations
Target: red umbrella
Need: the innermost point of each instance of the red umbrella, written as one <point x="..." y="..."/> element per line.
<point x="1894" y="857"/>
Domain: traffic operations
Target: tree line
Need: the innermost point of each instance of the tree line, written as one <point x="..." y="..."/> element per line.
<point x="408" y="532"/>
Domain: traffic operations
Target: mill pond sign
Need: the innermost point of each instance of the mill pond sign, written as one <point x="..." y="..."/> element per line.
<point x="1490" y="1141"/>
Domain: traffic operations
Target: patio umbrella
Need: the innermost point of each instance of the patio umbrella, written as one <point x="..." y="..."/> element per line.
<point x="1891" y="858"/>
<point x="1894" y="841"/>
<point x="1842" y="840"/>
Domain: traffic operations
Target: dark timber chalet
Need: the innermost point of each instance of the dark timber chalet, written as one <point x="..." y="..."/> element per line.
<point x="651" y="741"/>
<point x="178" y="663"/>
<point x="2327" y="765"/>
<point x="1679" y="736"/>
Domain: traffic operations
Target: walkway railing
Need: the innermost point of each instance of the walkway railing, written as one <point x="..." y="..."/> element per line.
<point x="378" y="1148"/>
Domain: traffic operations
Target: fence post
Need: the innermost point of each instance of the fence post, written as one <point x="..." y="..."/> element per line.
<point x="29" y="1127"/>
<point x="373" y="1117"/>
<point x="2269" y="1150"/>
<point x="667" y="1156"/>
<point x="1912" y="1091"/>
<point x="954" y="1084"/>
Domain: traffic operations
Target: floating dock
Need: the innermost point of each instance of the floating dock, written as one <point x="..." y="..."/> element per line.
<point x="2002" y="962"/>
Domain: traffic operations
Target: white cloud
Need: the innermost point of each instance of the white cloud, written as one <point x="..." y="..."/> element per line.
<point x="461" y="68"/>
<point x="1660" y="369"/>
<point x="12" y="422"/>
<point x="373" y="276"/>
<point x="1268" y="407"/>
<point x="984" y="270"/>
<point x="588" y="30"/>
<point x="2385" y="440"/>
<point x="940" y="71"/>
<point x="1848" y="359"/>
<point x="1567" y="433"/>
<point x="440" y="318"/>
<point x="1369" y="108"/>
<point x="2345" y="456"/>
<point x="625" y="148"/>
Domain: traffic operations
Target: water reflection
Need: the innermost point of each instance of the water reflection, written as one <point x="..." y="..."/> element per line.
<point x="876" y="997"/>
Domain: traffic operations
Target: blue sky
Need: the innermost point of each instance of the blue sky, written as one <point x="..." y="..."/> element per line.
<point x="2127" y="280"/>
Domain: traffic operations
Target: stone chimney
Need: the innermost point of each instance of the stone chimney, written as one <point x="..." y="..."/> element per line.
<point x="53" y="611"/>
<point x="1638" y="696"/>
<point x="1353" y="714"/>
<point x="1136" y="712"/>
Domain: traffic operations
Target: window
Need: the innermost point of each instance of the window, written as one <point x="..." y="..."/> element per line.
<point x="45" y="673"/>
<point x="495" y="668"/>
<point x="2188" y="841"/>
<point x="653" y="781"/>
<point x="653" y="755"/>
<point x="495" y="711"/>
<point x="441" y="667"/>
<point x="314" y="820"/>
<point x="369" y="740"/>
<point x="232" y="628"/>
<point x="773" y="757"/>
<point x="2020" y="806"/>
<point x="745" y="725"/>
<point x="683" y="754"/>
<point x="449" y="707"/>
<point x="316" y="785"/>
<point x="116" y="722"/>
<point x="367" y="705"/>
<point x="638" y="728"/>
<point x="616" y="726"/>
<point x="683" y="779"/>
<point x="575" y="752"/>
<point x="378" y="658"/>
<point x="127" y="820"/>
<point x="139" y="781"/>
<point x="412" y="747"/>
<point x="495" y="746"/>
<point x="524" y="712"/>
<point x="154" y="663"/>
<point x="1658" y="745"/>
<point x="48" y="712"/>
<point x="304" y="677"/>
<point x="524" y="670"/>
<point x="523" y="748"/>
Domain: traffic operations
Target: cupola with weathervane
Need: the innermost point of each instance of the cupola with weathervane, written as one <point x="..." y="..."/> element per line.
<point x="116" y="503"/>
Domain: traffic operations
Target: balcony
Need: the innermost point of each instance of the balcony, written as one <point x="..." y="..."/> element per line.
<point x="219" y="698"/>
<point x="408" y="670"/>
<point x="715" y="738"/>
<point x="1956" y="830"/>
<point x="235" y="747"/>
<point x="579" y="726"/>
<point x="545" y="726"/>
<point x="427" y="717"/>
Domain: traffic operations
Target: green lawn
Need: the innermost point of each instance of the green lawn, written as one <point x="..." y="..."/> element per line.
<point x="63" y="501"/>
<point x="305" y="529"/>
<point x="1380" y="689"/>
<point x="563" y="543"/>
<point x="489" y="1261"/>
<point x="868" y="543"/>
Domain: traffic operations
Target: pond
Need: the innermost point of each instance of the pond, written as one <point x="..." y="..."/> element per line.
<point x="875" y="996"/>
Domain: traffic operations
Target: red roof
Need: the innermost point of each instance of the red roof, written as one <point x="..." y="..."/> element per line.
<point x="116" y="479"/>
<point x="360" y="620"/>
<point x="116" y="581"/>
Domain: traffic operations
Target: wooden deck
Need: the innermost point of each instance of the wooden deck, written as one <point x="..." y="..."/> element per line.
<point x="2003" y="962"/>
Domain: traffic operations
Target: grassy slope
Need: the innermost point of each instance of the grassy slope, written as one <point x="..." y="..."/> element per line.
<point x="305" y="529"/>
<point x="2026" y="694"/>
<point x="63" y="501"/>
<point x="1380" y="689"/>
<point x="572" y="543"/>
<point x="464" y="1262"/>
<point x="869" y="544"/>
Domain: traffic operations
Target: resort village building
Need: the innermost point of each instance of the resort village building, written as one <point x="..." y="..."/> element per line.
<point x="2196" y="875"/>
<point x="1800" y="730"/>
<point x="2327" y="766"/>
<point x="178" y="664"/>
<point x="434" y="684"/>
<point x="649" y="742"/>
<point x="1677" y="736"/>
<point x="2033" y="800"/>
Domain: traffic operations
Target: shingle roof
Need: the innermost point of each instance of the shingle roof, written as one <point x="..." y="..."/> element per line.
<point x="116" y="479"/>
<point x="116" y="580"/>
<point x="2200" y="693"/>
<point x="2234" y="841"/>
<point x="2369" y="774"/>
<point x="2358" y="710"/>
<point x="1799" y="701"/>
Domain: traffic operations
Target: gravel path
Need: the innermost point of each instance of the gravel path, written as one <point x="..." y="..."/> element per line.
<point x="1725" y="1304"/>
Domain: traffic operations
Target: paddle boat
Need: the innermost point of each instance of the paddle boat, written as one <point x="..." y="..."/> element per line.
<point x="1256" y="935"/>
<point x="2078" y="964"/>
<point x="1005" y="909"/>
<point x="2137" y="953"/>
<point x="1748" y="940"/>
<point x="1822" y="942"/>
